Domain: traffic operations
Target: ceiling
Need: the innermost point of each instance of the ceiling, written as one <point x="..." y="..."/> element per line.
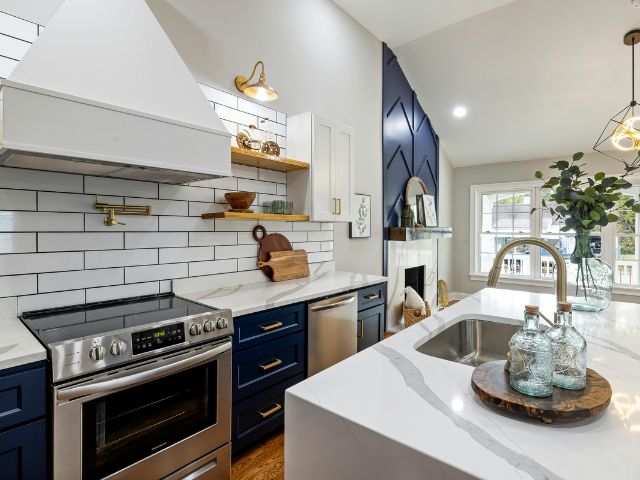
<point x="399" y="21"/>
<point x="540" y="78"/>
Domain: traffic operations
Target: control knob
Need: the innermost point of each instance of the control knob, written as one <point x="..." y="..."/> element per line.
<point x="222" y="322"/>
<point x="209" y="326"/>
<point x="118" y="347"/>
<point x="97" y="352"/>
<point x="195" y="329"/>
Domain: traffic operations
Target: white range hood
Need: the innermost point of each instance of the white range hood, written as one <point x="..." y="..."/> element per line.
<point x="104" y="92"/>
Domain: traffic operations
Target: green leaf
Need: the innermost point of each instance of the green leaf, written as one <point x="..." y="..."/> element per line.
<point x="612" y="217"/>
<point x="544" y="204"/>
<point x="532" y="210"/>
<point x="562" y="164"/>
<point x="607" y="182"/>
<point x="586" y="223"/>
<point x="577" y="156"/>
<point x="599" y="176"/>
<point x="538" y="174"/>
<point x="595" y="216"/>
<point x="636" y="208"/>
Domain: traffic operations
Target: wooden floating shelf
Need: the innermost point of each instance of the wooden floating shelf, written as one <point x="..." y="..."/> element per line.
<point x="257" y="216"/>
<point x="408" y="234"/>
<point x="251" y="158"/>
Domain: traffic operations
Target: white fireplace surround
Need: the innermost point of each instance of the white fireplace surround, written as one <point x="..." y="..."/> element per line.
<point x="403" y="255"/>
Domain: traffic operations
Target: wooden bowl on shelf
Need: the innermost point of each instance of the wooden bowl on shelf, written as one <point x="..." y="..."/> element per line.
<point x="240" y="201"/>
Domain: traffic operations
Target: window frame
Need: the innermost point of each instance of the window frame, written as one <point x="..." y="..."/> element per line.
<point x="608" y="236"/>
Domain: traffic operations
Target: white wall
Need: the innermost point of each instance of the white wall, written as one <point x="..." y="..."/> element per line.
<point x="464" y="177"/>
<point x="317" y="57"/>
<point x="445" y="218"/>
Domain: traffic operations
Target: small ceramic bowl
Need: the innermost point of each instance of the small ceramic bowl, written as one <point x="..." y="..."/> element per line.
<point x="240" y="200"/>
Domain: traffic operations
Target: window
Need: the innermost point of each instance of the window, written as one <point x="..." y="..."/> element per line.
<point x="626" y="269"/>
<point x="505" y="216"/>
<point x="501" y="212"/>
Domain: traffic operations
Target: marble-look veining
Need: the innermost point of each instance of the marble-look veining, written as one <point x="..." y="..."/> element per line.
<point x="17" y="345"/>
<point x="438" y="428"/>
<point x="259" y="296"/>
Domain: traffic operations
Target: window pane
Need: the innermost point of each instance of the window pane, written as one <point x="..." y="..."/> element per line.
<point x="517" y="262"/>
<point x="627" y="247"/>
<point x="564" y="243"/>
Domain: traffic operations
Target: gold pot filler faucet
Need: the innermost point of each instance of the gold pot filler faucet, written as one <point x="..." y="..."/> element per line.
<point x="561" y="268"/>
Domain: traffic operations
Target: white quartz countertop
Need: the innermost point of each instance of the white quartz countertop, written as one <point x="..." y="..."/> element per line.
<point x="392" y="412"/>
<point x="17" y="345"/>
<point x="259" y="296"/>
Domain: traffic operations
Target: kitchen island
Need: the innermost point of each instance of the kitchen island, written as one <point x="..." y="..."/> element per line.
<point x="391" y="412"/>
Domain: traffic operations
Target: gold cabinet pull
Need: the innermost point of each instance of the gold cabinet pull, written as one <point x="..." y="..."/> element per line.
<point x="334" y="208"/>
<point x="361" y="325"/>
<point x="339" y="206"/>
<point x="276" y="408"/>
<point x="372" y="296"/>
<point x="269" y="366"/>
<point x="266" y="328"/>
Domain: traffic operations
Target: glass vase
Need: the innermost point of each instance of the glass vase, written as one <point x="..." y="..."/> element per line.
<point x="589" y="279"/>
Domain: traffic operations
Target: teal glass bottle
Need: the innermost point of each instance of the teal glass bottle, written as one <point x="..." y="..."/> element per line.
<point x="531" y="370"/>
<point x="569" y="351"/>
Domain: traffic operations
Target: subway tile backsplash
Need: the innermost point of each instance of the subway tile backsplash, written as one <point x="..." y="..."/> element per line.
<point x="56" y="251"/>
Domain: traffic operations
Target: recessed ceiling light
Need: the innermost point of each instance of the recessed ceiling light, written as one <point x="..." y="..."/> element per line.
<point x="460" y="112"/>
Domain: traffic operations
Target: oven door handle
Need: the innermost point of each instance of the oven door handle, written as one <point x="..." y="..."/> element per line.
<point x="134" y="379"/>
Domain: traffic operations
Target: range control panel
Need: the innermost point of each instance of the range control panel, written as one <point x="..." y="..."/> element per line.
<point x="152" y="339"/>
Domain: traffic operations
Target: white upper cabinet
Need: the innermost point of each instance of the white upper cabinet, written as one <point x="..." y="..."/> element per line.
<point x="325" y="191"/>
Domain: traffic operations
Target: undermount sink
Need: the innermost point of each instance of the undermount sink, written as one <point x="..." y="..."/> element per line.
<point x="471" y="342"/>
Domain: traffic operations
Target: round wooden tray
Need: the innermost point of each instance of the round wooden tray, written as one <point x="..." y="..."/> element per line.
<point x="490" y="381"/>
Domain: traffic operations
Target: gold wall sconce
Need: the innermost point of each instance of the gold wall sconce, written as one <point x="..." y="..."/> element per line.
<point x="113" y="210"/>
<point x="258" y="90"/>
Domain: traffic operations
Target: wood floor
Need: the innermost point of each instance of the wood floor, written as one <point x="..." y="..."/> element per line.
<point x="265" y="461"/>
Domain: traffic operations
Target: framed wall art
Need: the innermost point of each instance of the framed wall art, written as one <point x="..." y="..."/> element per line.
<point x="361" y="226"/>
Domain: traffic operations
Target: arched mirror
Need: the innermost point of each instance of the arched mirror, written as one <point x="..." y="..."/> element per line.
<point x="413" y="201"/>
<point x="415" y="186"/>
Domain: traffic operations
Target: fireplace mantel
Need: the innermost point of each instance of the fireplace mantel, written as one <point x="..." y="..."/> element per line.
<point x="409" y="234"/>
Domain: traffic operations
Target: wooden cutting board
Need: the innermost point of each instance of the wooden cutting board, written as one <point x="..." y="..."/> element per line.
<point x="274" y="242"/>
<point x="287" y="265"/>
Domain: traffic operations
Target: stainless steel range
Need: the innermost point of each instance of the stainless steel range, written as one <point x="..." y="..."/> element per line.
<point x="141" y="388"/>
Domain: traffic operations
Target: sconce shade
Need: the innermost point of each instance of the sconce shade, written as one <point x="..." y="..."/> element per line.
<point x="258" y="90"/>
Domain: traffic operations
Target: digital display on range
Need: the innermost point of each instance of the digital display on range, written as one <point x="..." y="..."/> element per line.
<point x="148" y="340"/>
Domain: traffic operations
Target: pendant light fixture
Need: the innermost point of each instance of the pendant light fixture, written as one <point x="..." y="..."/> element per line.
<point x="622" y="131"/>
<point x="258" y="90"/>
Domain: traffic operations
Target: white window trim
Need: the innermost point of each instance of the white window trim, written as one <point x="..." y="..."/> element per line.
<point x="476" y="191"/>
<point x="608" y="235"/>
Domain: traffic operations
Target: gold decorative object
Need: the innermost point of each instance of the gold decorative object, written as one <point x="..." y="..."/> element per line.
<point x="249" y="139"/>
<point x="113" y="210"/>
<point x="258" y="90"/>
<point x="271" y="148"/>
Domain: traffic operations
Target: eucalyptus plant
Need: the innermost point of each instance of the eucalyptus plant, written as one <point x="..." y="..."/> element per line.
<point x="584" y="202"/>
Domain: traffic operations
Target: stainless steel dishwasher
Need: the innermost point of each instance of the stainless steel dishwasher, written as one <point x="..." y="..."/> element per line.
<point x="332" y="331"/>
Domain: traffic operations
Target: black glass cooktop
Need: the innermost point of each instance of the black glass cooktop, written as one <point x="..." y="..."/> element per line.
<point x="70" y="323"/>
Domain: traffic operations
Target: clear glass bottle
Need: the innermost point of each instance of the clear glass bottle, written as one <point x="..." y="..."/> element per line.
<point x="569" y="351"/>
<point x="531" y="370"/>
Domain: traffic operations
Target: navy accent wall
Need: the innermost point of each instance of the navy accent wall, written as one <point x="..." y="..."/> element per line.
<point x="409" y="143"/>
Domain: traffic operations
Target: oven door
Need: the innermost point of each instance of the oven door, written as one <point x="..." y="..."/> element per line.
<point x="145" y="421"/>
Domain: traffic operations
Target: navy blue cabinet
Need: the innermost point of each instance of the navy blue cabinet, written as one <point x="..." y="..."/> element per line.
<point x="269" y="356"/>
<point x="370" y="326"/>
<point x="23" y="424"/>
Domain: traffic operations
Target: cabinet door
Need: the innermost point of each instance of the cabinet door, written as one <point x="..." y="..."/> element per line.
<point x="23" y="452"/>
<point x="322" y="190"/>
<point x="370" y="324"/>
<point x="343" y="168"/>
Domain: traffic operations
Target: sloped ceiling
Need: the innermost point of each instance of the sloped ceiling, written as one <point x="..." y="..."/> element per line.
<point x="540" y="78"/>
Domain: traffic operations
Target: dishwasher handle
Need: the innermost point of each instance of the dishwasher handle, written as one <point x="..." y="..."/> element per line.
<point x="330" y="306"/>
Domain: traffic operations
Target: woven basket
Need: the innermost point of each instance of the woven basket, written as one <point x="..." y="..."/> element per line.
<point x="410" y="316"/>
